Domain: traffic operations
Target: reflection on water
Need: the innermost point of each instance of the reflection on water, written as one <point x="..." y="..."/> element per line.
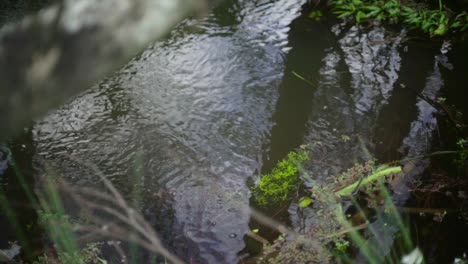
<point x="419" y="139"/>
<point x="356" y="80"/>
<point x="187" y="117"/>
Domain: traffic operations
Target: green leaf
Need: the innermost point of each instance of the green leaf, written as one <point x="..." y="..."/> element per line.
<point x="360" y="16"/>
<point x="373" y="13"/>
<point x="255" y="230"/>
<point x="441" y="30"/>
<point x="394" y="12"/>
<point x="103" y="261"/>
<point x="408" y="9"/>
<point x="381" y="168"/>
<point x="371" y="8"/>
<point x="304" y="202"/>
<point x="375" y="176"/>
<point x="426" y="25"/>
<point x="456" y="25"/>
<point x="345" y="14"/>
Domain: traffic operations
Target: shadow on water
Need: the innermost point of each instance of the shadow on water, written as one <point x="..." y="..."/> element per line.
<point x="395" y="119"/>
<point x="308" y="41"/>
<point x="441" y="235"/>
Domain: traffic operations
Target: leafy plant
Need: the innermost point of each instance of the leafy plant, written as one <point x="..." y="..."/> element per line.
<point x="460" y="22"/>
<point x="365" y="10"/>
<point x="433" y="22"/>
<point x="277" y="186"/>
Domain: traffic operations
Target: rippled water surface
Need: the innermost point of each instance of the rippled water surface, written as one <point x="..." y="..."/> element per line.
<point x="185" y="124"/>
<point x="188" y="117"/>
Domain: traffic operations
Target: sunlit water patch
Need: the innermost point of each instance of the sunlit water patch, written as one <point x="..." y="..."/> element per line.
<point x="187" y="118"/>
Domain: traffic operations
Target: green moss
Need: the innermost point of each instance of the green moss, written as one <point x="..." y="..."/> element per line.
<point x="341" y="245"/>
<point x="277" y="186"/>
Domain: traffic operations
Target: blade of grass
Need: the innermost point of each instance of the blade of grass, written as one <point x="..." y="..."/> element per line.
<point x="348" y="190"/>
<point x="302" y="78"/>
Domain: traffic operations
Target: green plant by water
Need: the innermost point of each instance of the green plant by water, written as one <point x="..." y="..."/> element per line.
<point x="276" y="187"/>
<point x="333" y="236"/>
<point x="435" y="22"/>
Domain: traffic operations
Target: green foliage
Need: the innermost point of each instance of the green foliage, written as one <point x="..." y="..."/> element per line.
<point x="433" y="22"/>
<point x="316" y="15"/>
<point x="304" y="202"/>
<point x="277" y="186"/>
<point x="341" y="246"/>
<point x="364" y="10"/>
<point x="59" y="227"/>
<point x="57" y="223"/>
<point x="462" y="153"/>
<point x="90" y="254"/>
<point x="385" y="221"/>
<point x="376" y="175"/>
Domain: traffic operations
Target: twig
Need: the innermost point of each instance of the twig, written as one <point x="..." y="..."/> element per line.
<point x="257" y="238"/>
<point x="354" y="228"/>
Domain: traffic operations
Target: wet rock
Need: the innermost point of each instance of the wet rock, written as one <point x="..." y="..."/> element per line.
<point x="8" y="255"/>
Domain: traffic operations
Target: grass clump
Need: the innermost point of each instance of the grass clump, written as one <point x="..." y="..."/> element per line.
<point x="59" y="228"/>
<point x="276" y="187"/>
<point x="89" y="254"/>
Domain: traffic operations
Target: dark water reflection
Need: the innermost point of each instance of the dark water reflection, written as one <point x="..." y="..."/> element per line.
<point x="184" y="125"/>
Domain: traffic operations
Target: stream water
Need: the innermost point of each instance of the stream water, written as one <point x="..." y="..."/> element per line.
<point x="183" y="127"/>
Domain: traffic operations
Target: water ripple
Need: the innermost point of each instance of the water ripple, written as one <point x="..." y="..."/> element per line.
<point x="189" y="116"/>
